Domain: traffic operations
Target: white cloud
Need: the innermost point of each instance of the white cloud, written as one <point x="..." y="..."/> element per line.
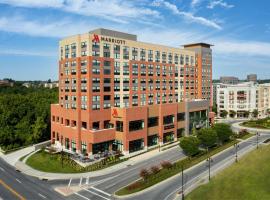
<point x="195" y="3"/>
<point x="59" y="28"/>
<point x="221" y="3"/>
<point x="115" y="10"/>
<point x="188" y="15"/>
<point x="26" y="52"/>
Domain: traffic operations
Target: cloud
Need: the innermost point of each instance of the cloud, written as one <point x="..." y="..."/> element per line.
<point x="220" y="3"/>
<point x="250" y="48"/>
<point x="195" y="3"/>
<point x="188" y="15"/>
<point x="20" y="52"/>
<point x="58" y="29"/>
<point x="114" y="10"/>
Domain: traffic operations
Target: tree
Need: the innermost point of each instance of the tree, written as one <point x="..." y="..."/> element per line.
<point x="232" y="113"/>
<point x="246" y="113"/>
<point x="144" y="174"/>
<point x="214" y="109"/>
<point x="224" y="131"/>
<point x="268" y="111"/>
<point x="223" y="113"/>
<point x="207" y="136"/>
<point x="190" y="145"/>
<point x="255" y="113"/>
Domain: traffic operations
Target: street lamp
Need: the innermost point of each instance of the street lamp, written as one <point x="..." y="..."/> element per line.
<point x="236" y="151"/>
<point x="209" y="160"/>
<point x="159" y="139"/>
<point x="257" y="134"/>
<point x="183" y="196"/>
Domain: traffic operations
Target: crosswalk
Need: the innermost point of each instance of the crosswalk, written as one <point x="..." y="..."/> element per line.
<point x="92" y="193"/>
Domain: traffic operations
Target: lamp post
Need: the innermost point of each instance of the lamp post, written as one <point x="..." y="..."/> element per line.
<point x="159" y="139"/>
<point x="257" y="134"/>
<point x="62" y="159"/>
<point x="236" y="151"/>
<point x="183" y="196"/>
<point x="209" y="160"/>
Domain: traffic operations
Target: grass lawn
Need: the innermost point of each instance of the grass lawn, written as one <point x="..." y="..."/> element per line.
<point x="249" y="179"/>
<point x="43" y="161"/>
<point x="260" y="123"/>
<point x="46" y="162"/>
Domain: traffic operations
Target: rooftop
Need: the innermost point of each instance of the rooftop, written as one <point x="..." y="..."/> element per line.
<point x="115" y="34"/>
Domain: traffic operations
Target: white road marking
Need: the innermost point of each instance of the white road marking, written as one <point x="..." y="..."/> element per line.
<point x="81" y="196"/>
<point x="96" y="194"/>
<point x="18" y="180"/>
<point x="69" y="182"/>
<point x="101" y="191"/>
<point x="42" y="196"/>
<point x="2" y="169"/>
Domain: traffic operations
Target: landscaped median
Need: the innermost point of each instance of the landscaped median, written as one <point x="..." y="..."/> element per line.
<point x="259" y="123"/>
<point x="56" y="163"/>
<point x="156" y="174"/>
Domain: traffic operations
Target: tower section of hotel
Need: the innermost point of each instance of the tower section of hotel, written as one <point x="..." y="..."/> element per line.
<point x="116" y="93"/>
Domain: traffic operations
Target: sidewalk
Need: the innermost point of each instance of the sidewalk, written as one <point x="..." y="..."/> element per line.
<point x="21" y="166"/>
<point x="13" y="158"/>
<point x="237" y="126"/>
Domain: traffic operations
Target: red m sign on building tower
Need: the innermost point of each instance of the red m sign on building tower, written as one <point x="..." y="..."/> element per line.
<point x="95" y="38"/>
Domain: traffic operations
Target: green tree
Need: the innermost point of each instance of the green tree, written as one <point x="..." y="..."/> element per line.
<point x="232" y="113"/>
<point x="255" y="113"/>
<point x="223" y="113"/>
<point x="39" y="129"/>
<point x="214" y="109"/>
<point x="224" y="131"/>
<point x="190" y="145"/>
<point x="207" y="136"/>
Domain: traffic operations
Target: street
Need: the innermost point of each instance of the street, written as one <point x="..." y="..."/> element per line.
<point x="103" y="187"/>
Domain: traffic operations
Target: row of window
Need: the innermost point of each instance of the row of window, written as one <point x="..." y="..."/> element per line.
<point x="127" y="53"/>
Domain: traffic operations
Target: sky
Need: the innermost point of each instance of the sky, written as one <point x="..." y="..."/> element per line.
<point x="239" y="30"/>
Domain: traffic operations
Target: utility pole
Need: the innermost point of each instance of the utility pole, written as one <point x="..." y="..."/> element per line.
<point x="236" y="151"/>
<point x="183" y="196"/>
<point x="257" y="134"/>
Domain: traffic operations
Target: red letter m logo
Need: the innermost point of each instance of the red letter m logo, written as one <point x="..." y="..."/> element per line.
<point x="95" y="38"/>
<point x="114" y="113"/>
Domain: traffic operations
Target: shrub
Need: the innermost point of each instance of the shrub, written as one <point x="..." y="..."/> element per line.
<point x="144" y="174"/>
<point x="166" y="164"/>
<point x="134" y="186"/>
<point x="155" y="169"/>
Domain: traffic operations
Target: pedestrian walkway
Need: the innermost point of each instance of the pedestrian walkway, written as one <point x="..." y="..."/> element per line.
<point x="14" y="157"/>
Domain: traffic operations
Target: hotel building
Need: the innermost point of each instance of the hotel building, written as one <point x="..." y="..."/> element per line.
<point x="116" y="93"/>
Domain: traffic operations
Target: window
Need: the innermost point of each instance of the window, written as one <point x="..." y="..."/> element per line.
<point x="169" y="119"/>
<point x="136" y="125"/>
<point x="96" y="125"/>
<point x="84" y="125"/>
<point x="119" y="126"/>
<point x="152" y="121"/>
<point x="180" y="117"/>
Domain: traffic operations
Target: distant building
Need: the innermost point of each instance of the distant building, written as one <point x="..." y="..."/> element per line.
<point x="229" y="80"/>
<point x="6" y="83"/>
<point x="51" y="85"/>
<point x="252" y="77"/>
<point x="242" y="99"/>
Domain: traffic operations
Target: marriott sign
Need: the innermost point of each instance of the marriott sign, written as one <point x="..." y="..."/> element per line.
<point x="97" y="38"/>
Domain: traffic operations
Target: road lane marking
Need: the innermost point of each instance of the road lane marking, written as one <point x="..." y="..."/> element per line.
<point x="42" y="196"/>
<point x="101" y="191"/>
<point x="18" y="180"/>
<point x="12" y="190"/>
<point x="81" y="196"/>
<point x="96" y="194"/>
<point x="2" y="169"/>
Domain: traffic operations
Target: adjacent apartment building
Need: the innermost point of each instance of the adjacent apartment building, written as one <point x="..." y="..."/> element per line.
<point x="116" y="93"/>
<point x="242" y="99"/>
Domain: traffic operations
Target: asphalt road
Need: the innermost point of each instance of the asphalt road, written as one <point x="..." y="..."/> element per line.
<point x="14" y="185"/>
